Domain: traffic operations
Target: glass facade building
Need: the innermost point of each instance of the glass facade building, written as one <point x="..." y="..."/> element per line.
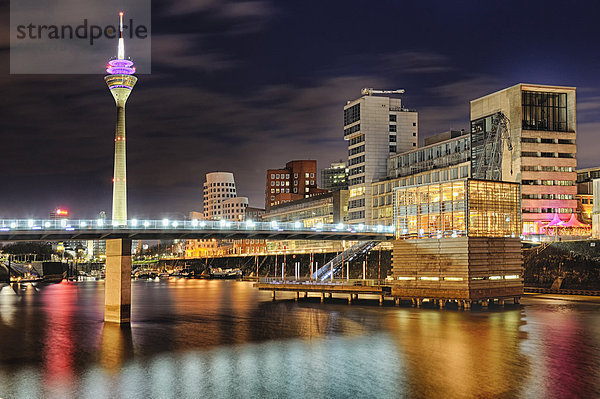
<point x="468" y="207"/>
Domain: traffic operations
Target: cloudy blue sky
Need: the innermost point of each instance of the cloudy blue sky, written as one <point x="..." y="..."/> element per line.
<point x="244" y="86"/>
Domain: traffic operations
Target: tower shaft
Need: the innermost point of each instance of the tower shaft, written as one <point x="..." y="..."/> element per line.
<point x="119" y="205"/>
<point x="120" y="87"/>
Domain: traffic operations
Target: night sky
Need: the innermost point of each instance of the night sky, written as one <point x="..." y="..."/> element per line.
<point x="243" y="86"/>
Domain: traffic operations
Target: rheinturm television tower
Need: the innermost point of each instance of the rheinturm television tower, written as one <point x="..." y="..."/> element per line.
<point x="120" y="81"/>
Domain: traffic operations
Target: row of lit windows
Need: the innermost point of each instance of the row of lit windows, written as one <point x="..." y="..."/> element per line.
<point x="356" y="215"/>
<point x="433" y="177"/>
<point x="547" y="154"/>
<point x="283" y="190"/>
<point x="548" y="210"/>
<point x="539" y="168"/>
<point x="548" y="182"/>
<point x="282" y="175"/>
<point x="436" y="278"/>
<point x="548" y="196"/>
<point x="538" y="140"/>
<point x="352" y="129"/>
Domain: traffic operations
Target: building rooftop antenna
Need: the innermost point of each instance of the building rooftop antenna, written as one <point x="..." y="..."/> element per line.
<point x="368" y="91"/>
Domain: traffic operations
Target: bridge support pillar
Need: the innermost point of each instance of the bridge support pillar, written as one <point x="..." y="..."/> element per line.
<point x="322" y="296"/>
<point x="117" y="284"/>
<point x="330" y="295"/>
<point x="517" y="300"/>
<point x="305" y="294"/>
<point x="484" y="303"/>
<point x="419" y="302"/>
<point x="442" y="303"/>
<point x="396" y="301"/>
<point x="349" y="299"/>
<point x="500" y="302"/>
<point x="380" y="300"/>
<point x="467" y="304"/>
<point x="297" y="295"/>
<point x="273" y="295"/>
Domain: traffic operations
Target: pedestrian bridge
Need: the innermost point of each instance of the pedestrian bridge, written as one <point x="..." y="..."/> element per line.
<point x="163" y="229"/>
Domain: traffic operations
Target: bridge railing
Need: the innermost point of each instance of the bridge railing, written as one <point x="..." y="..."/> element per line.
<point x="167" y="224"/>
<point x="306" y="281"/>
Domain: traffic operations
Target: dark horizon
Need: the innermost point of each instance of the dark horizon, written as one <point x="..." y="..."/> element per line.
<point x="248" y="86"/>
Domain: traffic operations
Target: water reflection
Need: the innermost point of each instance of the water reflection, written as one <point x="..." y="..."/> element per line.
<point x="225" y="339"/>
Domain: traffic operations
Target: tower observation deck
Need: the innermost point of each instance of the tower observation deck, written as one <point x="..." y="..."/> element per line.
<point x="120" y="81"/>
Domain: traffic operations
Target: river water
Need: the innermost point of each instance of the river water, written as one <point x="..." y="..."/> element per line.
<point x="225" y="339"/>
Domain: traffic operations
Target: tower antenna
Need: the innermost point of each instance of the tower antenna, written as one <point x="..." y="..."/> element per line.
<point x="121" y="52"/>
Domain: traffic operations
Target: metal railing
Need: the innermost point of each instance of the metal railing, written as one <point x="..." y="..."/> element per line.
<point x="7" y="225"/>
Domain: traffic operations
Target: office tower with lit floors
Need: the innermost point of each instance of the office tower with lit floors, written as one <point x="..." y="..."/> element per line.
<point x="120" y="81"/>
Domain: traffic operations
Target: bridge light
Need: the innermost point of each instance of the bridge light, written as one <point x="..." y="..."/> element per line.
<point x="319" y="225"/>
<point x="222" y="222"/>
<point x="30" y="223"/>
<point x="146" y="223"/>
<point x="165" y="222"/>
<point x="63" y="223"/>
<point x="134" y="222"/>
<point x="249" y="223"/>
<point x="47" y="224"/>
<point x="297" y="225"/>
<point x="195" y="223"/>
<point x="100" y="222"/>
<point x="228" y="224"/>
<point x="82" y="224"/>
<point x="340" y="226"/>
<point x="274" y="224"/>
<point x="13" y="225"/>
<point x="174" y="224"/>
<point x="202" y="224"/>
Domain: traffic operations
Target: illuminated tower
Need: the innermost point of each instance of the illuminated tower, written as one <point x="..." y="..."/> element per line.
<point x="120" y="81"/>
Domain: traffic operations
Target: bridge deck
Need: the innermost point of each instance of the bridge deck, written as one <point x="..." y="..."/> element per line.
<point x="58" y="230"/>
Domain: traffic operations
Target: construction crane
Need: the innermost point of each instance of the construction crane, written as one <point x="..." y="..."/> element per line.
<point x="368" y="91"/>
<point x="490" y="167"/>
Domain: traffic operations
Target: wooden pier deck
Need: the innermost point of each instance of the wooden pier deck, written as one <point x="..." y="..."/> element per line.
<point x="352" y="288"/>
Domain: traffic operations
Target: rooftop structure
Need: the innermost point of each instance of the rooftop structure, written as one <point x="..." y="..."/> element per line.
<point x="375" y="127"/>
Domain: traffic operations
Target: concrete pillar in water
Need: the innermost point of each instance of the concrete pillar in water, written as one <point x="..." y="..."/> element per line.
<point x="322" y="296"/>
<point x="500" y="302"/>
<point x="516" y="300"/>
<point x="273" y="296"/>
<point x="349" y="298"/>
<point x="330" y="295"/>
<point x="306" y="294"/>
<point x="397" y="301"/>
<point x="419" y="302"/>
<point x="117" y="284"/>
<point x="484" y="303"/>
<point x="297" y="295"/>
<point x="381" y="299"/>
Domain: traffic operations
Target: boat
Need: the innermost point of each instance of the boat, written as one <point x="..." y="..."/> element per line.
<point x="219" y="273"/>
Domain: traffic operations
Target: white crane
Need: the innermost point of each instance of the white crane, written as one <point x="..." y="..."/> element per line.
<point x="368" y="91"/>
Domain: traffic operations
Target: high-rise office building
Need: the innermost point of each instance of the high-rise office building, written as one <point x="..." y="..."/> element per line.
<point x="375" y="127"/>
<point x="296" y="181"/>
<point x="120" y="81"/>
<point x="335" y="177"/>
<point x="542" y="125"/>
<point x="219" y="187"/>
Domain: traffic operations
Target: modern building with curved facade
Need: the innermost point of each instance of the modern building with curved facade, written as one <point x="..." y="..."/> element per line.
<point x="218" y="187"/>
